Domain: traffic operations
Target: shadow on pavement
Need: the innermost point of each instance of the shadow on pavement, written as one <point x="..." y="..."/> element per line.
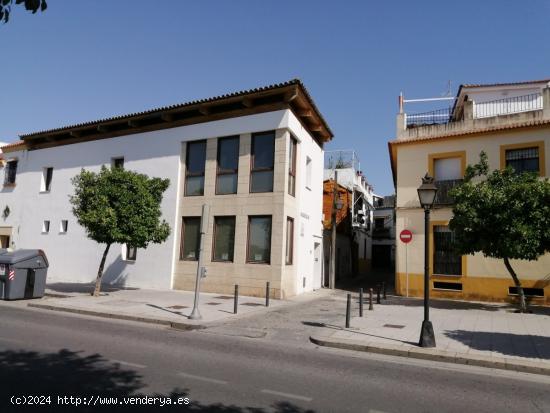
<point x="67" y="373"/>
<point x="507" y="344"/>
<point x="84" y="287"/>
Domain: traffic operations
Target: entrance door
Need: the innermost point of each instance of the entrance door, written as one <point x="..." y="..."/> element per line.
<point x="5" y="237"/>
<point x="317" y="265"/>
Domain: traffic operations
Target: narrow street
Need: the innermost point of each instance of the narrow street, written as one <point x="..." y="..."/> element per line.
<point x="259" y="364"/>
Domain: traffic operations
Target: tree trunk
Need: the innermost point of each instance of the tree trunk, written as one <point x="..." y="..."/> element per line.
<point x="522" y="304"/>
<point x="100" y="272"/>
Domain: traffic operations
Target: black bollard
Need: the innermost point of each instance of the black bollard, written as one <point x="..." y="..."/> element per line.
<point x="348" y="310"/>
<point x="360" y="302"/>
<point x="267" y="294"/>
<point x="370" y="299"/>
<point x="236" y="302"/>
<point x="378" y="294"/>
<point x="384" y="290"/>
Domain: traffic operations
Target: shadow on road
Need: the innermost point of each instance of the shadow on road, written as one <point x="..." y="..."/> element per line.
<point x="508" y="344"/>
<point x="67" y="373"/>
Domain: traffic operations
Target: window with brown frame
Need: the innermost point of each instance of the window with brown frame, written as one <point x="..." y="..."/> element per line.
<point x="292" y="166"/>
<point x="223" y="239"/>
<point x="259" y="239"/>
<point x="190" y="238"/>
<point x="194" y="168"/>
<point x="262" y="161"/>
<point x="228" y="165"/>
<point x="10" y="172"/>
<point x="289" y="250"/>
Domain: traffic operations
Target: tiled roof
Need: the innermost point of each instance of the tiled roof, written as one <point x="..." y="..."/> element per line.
<point x="13" y="145"/>
<point x="182" y="105"/>
<point x="527" y="82"/>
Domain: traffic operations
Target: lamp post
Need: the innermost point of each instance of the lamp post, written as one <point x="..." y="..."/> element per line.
<point x="426" y="194"/>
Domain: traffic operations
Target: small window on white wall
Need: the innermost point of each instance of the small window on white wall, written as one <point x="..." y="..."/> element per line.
<point x="131" y="253"/>
<point x="117" y="162"/>
<point x="63" y="226"/>
<point x="45" y="227"/>
<point x="308" y="172"/>
<point x="47" y="175"/>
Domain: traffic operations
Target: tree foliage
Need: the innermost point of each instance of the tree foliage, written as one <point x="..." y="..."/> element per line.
<point x="503" y="215"/>
<point x="116" y="206"/>
<point x="30" y="5"/>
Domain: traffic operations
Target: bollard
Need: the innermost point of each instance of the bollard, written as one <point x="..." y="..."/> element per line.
<point x="377" y="293"/>
<point x="370" y="299"/>
<point x="360" y="302"/>
<point x="236" y="303"/>
<point x="384" y="290"/>
<point x="267" y="294"/>
<point x="348" y="310"/>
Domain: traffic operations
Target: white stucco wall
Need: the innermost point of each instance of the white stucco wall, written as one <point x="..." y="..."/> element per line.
<point x="74" y="258"/>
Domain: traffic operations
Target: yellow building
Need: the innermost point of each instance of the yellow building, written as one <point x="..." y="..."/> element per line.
<point x="511" y="123"/>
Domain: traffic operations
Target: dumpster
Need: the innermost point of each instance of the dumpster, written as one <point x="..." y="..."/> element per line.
<point x="22" y="274"/>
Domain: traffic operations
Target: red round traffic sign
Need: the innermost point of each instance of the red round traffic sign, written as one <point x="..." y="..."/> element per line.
<point x="406" y="236"/>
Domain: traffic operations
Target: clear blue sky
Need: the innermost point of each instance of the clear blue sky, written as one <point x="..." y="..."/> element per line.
<point x="83" y="60"/>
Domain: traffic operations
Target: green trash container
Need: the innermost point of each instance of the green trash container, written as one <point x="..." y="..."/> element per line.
<point x="22" y="274"/>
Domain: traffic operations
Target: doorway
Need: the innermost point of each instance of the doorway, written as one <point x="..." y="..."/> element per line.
<point x="317" y="265"/>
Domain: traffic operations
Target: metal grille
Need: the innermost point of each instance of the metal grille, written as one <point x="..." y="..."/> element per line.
<point x="445" y="260"/>
<point x="505" y="106"/>
<point x="442" y="197"/>
<point x="523" y="160"/>
<point x="11" y="171"/>
<point x="429" y="118"/>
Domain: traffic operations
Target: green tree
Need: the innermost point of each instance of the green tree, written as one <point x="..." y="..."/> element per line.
<point x="119" y="206"/>
<point x="30" y="5"/>
<point x="503" y="215"/>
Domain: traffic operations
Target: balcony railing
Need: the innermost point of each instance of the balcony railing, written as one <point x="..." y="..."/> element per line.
<point x="506" y="106"/>
<point x="434" y="117"/>
<point x="442" y="196"/>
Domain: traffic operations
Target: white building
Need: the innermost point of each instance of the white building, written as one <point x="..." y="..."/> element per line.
<point x="263" y="182"/>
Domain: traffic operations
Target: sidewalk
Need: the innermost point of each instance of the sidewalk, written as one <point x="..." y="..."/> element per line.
<point x="151" y="306"/>
<point x="487" y="335"/>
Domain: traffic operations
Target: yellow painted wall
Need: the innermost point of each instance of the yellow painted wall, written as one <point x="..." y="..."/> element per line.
<point x="482" y="278"/>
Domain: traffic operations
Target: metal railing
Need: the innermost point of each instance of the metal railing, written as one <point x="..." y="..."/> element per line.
<point x="434" y="117"/>
<point x="507" y="106"/>
<point x="342" y="159"/>
<point x="442" y="196"/>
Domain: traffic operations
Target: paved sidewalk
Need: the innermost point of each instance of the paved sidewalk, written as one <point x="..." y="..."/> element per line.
<point x="152" y="306"/>
<point x="489" y="335"/>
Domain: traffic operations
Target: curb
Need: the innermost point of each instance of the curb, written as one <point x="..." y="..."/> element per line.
<point x="173" y="324"/>
<point x="502" y="363"/>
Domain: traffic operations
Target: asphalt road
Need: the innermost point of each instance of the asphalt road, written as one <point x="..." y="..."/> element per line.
<point x="218" y="370"/>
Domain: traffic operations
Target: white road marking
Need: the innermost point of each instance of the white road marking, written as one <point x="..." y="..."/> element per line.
<point x="127" y="363"/>
<point x="202" y="378"/>
<point x="287" y="395"/>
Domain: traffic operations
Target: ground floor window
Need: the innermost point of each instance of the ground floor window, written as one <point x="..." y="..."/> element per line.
<point x="259" y="239"/>
<point x="224" y="238"/>
<point x="131" y="253"/>
<point x="190" y="238"/>
<point x="445" y="259"/>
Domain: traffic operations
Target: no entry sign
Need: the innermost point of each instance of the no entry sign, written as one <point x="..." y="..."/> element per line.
<point x="406" y="236"/>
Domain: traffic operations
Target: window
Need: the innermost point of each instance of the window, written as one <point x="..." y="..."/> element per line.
<point x="308" y="172"/>
<point x="190" y="238"/>
<point x="228" y="166"/>
<point x="47" y="174"/>
<point x="292" y="166"/>
<point x="259" y="239"/>
<point x="445" y="260"/>
<point x="64" y="225"/>
<point x="523" y="160"/>
<point x="263" y="156"/>
<point x="131" y="253"/>
<point x="11" y="171"/>
<point x="224" y="239"/>
<point x="289" y="241"/>
<point x="117" y="162"/>
<point x="194" y="173"/>
<point x="45" y="227"/>
<point x="379" y="223"/>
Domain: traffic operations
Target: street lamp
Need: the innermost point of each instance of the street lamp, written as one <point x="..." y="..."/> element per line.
<point x="426" y="194"/>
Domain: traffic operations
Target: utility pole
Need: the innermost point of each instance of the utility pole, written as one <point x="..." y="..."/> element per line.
<point x="332" y="270"/>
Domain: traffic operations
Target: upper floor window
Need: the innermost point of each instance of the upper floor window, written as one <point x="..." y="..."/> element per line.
<point x="194" y="168"/>
<point x="447" y="169"/>
<point x="523" y="160"/>
<point x="228" y="165"/>
<point x="10" y="173"/>
<point x="63" y="226"/>
<point x="47" y="175"/>
<point x="292" y="166"/>
<point x="263" y="157"/>
<point x="117" y="162"/>
<point x="308" y="172"/>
